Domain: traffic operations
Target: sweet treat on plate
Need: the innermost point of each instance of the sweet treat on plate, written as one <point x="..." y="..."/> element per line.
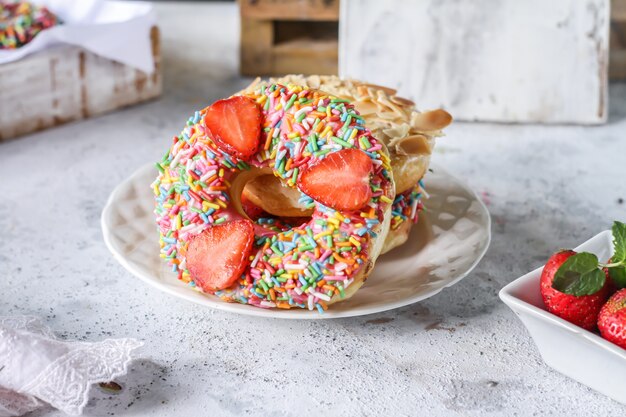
<point x="316" y="145"/>
<point x="409" y="136"/>
<point x="21" y="21"/>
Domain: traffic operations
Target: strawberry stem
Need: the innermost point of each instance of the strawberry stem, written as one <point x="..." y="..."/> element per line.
<point x="610" y="265"/>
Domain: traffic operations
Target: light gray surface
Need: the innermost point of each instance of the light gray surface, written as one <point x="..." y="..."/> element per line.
<point x="461" y="353"/>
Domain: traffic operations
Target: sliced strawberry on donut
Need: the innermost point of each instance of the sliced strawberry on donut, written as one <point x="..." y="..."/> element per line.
<point x="235" y="125"/>
<point x="217" y="257"/>
<point x="341" y="180"/>
<point x="252" y="210"/>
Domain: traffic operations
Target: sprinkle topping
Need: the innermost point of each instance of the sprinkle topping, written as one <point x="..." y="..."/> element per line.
<point x="21" y="21"/>
<point x="406" y="206"/>
<point x="303" y="266"/>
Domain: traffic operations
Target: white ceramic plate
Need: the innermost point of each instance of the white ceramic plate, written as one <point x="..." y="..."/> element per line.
<point x="451" y="237"/>
<point x="571" y="350"/>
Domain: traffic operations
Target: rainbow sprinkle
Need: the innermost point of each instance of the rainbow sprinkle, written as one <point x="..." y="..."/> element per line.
<point x="290" y="267"/>
<point x="406" y="206"/>
<point x="21" y="21"/>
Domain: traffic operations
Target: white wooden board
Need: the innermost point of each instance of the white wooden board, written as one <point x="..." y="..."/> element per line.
<point x="67" y="83"/>
<point x="490" y="60"/>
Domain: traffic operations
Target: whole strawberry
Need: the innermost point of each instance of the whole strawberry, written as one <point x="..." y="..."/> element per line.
<point x="577" y="307"/>
<point x="612" y="319"/>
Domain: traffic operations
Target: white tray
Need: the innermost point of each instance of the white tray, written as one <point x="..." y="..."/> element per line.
<point x="580" y="354"/>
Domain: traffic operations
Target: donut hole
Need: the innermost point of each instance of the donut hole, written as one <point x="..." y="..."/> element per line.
<point x="267" y="192"/>
<point x="268" y="220"/>
<point x="270" y="204"/>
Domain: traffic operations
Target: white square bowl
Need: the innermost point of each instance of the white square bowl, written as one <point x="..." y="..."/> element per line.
<point x="575" y="352"/>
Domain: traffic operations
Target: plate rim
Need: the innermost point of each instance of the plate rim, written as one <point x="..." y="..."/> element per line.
<point x="277" y="313"/>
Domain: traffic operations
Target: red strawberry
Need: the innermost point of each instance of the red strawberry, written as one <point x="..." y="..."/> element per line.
<point x="235" y="125"/>
<point x="613" y="288"/>
<point x="582" y="311"/>
<point x="252" y="210"/>
<point x="612" y="319"/>
<point x="341" y="180"/>
<point x="217" y="257"/>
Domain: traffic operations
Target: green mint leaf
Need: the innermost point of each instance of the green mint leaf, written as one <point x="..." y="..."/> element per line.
<point x="579" y="275"/>
<point x="587" y="284"/>
<point x="619" y="242"/>
<point x="618" y="276"/>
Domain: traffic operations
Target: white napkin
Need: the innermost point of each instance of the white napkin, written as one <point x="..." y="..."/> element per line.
<point x="113" y="29"/>
<point x="37" y="368"/>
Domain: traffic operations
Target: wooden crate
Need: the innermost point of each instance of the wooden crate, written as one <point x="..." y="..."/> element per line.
<point x="289" y="36"/>
<point x="617" y="58"/>
<point x="68" y="83"/>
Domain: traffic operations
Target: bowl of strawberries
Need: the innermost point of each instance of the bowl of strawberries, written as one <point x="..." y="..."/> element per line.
<point x="574" y="307"/>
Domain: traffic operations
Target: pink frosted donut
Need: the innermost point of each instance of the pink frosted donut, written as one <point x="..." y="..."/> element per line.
<point x="312" y="142"/>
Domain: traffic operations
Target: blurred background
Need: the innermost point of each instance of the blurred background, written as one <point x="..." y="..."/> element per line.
<point x="482" y="60"/>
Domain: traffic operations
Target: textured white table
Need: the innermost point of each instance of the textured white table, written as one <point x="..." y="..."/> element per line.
<point x="461" y="353"/>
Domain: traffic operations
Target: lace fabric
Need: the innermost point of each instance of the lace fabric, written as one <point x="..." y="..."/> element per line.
<point x="35" y="366"/>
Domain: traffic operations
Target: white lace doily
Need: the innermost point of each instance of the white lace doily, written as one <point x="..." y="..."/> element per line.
<point x="36" y="367"/>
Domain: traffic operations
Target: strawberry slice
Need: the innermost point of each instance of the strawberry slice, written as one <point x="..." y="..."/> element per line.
<point x="235" y="125"/>
<point x="217" y="257"/>
<point x="341" y="180"/>
<point x="252" y="210"/>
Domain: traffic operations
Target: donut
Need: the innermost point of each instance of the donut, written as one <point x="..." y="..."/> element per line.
<point x="21" y="21"/>
<point x="312" y="142"/>
<point x="404" y="210"/>
<point x="408" y="134"/>
<point x="405" y="213"/>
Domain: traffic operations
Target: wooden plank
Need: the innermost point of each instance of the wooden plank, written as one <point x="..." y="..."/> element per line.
<point x="290" y="9"/>
<point x="305" y="57"/>
<point x="490" y="60"/>
<point x="618" y="10"/>
<point x="38" y="92"/>
<point x="287" y="31"/>
<point x="617" y="58"/>
<point x="257" y="37"/>
<point x="67" y="83"/>
<point x="618" y="65"/>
